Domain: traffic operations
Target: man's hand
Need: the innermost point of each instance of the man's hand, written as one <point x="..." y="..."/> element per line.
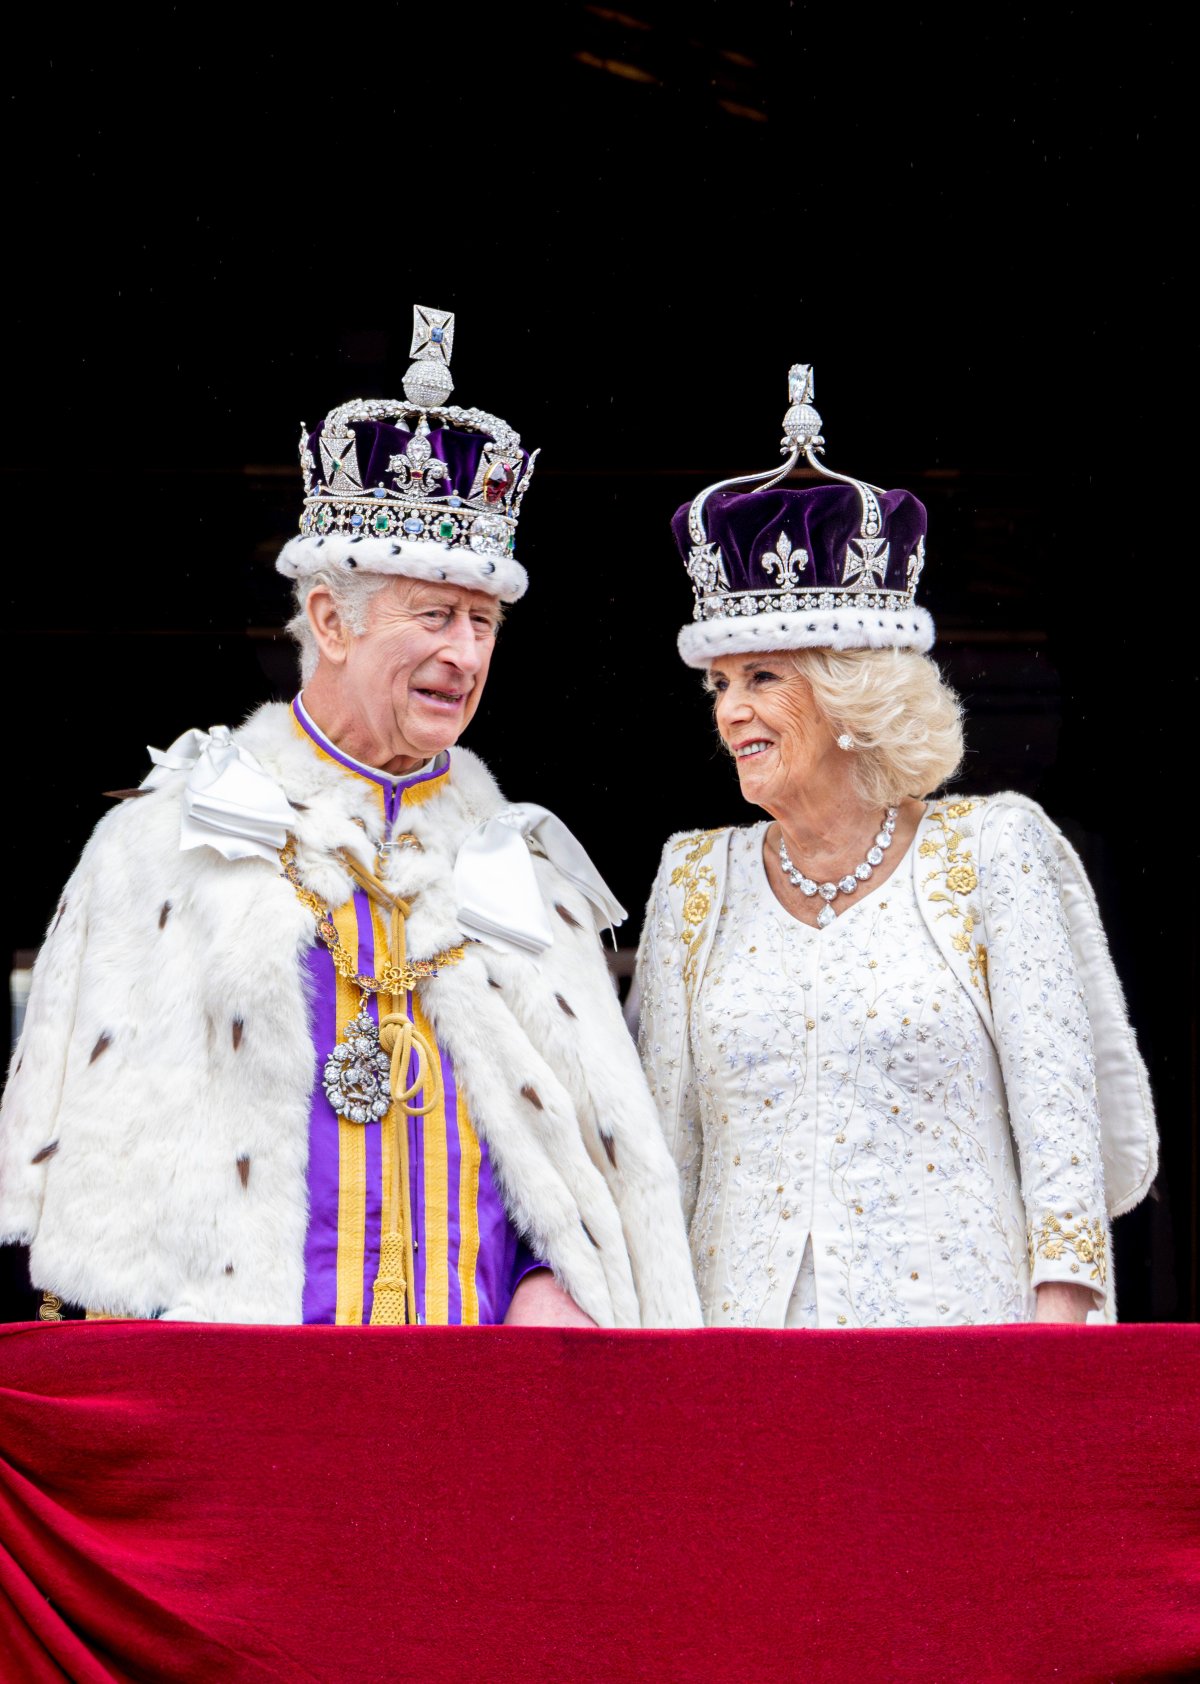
<point x="539" y="1301"/>
<point x="1060" y="1301"/>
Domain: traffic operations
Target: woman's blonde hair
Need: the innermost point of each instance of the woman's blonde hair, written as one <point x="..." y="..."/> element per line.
<point x="905" y="719"/>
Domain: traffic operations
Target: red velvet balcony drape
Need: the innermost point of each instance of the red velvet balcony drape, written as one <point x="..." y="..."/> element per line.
<point x="298" y="1504"/>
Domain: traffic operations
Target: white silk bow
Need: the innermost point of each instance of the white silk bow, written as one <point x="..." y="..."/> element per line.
<point x="229" y="802"/>
<point x="496" y="886"/>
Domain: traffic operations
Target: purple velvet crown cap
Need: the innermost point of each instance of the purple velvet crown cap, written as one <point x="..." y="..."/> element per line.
<point x="378" y="442"/>
<point x="833" y="565"/>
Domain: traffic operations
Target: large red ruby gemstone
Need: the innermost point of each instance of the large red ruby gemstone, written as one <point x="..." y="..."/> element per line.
<point x="495" y="482"/>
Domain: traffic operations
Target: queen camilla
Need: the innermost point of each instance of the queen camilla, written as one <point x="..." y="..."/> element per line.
<point x="883" y="1029"/>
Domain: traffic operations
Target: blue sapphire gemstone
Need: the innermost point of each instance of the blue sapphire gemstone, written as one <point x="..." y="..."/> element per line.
<point x="356" y="520"/>
<point x="412" y="524"/>
<point x="437" y="334"/>
<point x="455" y="502"/>
<point x="379" y="491"/>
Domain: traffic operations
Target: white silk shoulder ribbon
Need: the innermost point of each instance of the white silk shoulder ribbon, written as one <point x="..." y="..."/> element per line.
<point x="229" y="802"/>
<point x="496" y="887"/>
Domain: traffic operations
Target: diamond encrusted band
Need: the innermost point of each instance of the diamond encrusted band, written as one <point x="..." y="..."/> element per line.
<point x="719" y="605"/>
<point x="446" y="522"/>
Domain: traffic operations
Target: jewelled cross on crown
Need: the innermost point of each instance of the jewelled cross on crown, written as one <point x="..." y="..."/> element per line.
<point x="862" y="564"/>
<point x="339" y="461"/>
<point x="427" y="383"/>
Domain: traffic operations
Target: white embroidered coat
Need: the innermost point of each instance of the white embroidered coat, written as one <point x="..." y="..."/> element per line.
<point x="894" y="1121"/>
<point x="154" y="1131"/>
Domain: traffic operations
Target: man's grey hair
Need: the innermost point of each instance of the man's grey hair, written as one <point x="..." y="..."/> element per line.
<point x="352" y="594"/>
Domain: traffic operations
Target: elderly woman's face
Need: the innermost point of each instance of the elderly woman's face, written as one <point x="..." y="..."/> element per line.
<point x="769" y="722"/>
<point x="416" y="675"/>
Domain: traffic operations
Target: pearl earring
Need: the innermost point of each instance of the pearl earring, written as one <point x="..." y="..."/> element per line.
<point x="845" y="741"/>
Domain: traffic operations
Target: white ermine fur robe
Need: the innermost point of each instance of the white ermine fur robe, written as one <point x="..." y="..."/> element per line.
<point x="154" y="1132"/>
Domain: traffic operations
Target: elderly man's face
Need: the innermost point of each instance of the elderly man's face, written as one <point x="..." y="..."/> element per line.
<point x="410" y="684"/>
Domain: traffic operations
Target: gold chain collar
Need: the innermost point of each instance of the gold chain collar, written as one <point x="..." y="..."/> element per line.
<point x="401" y="974"/>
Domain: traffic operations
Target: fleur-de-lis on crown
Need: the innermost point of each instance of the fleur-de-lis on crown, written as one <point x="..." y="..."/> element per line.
<point x="417" y="469"/>
<point x="785" y="562"/>
<point x="308" y="462"/>
<point x="916" y="565"/>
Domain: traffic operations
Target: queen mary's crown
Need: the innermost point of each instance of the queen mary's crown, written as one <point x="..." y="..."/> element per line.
<point x="417" y="487"/>
<point x="833" y="565"/>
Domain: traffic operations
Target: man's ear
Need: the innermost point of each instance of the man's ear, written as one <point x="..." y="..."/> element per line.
<point x="327" y="624"/>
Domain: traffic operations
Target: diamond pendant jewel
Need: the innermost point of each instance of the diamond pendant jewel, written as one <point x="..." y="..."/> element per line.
<point x="826" y="916"/>
<point x="357" y="1073"/>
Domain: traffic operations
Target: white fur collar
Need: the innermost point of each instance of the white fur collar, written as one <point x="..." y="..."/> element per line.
<point x="337" y="810"/>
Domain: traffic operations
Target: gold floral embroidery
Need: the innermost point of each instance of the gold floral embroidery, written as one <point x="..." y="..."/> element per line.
<point x="955" y="869"/>
<point x="698" y="882"/>
<point x="1086" y="1241"/>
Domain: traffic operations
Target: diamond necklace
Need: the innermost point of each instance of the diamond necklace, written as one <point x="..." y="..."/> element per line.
<point x="845" y="885"/>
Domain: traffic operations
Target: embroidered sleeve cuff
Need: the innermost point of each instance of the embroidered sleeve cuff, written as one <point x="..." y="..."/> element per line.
<point x="1069" y="1248"/>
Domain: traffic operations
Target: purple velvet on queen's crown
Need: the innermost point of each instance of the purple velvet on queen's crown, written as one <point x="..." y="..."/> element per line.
<point x="822" y="520"/>
<point x="379" y="441"/>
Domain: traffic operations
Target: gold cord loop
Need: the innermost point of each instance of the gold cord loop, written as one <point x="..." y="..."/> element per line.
<point x="400" y="1037"/>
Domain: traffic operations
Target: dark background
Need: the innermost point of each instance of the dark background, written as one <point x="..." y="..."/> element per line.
<point x="969" y="223"/>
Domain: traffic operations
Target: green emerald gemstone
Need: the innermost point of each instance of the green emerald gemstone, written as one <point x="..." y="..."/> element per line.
<point x="446" y="529"/>
<point x="382" y="522"/>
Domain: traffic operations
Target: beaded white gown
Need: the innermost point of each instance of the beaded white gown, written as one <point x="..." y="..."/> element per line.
<point x="855" y="1151"/>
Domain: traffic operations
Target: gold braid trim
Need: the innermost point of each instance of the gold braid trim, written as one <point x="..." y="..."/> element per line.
<point x="955" y="871"/>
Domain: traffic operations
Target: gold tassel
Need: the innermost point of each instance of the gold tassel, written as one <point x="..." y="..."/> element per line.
<point x="388" y="1307"/>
